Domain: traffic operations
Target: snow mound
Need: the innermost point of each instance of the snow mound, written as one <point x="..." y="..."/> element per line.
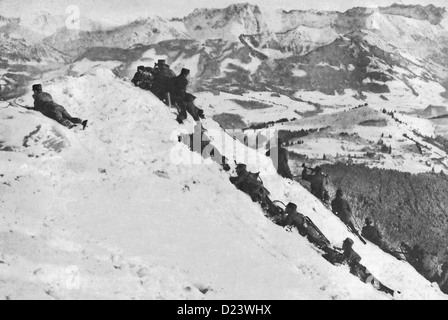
<point x="120" y="212"/>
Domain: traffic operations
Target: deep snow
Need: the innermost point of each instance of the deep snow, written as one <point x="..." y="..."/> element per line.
<point x="118" y="212"/>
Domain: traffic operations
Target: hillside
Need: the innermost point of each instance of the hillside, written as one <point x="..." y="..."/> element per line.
<point x="126" y="214"/>
<point x="396" y="201"/>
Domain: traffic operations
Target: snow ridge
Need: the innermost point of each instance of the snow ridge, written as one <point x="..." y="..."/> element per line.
<point x="127" y="221"/>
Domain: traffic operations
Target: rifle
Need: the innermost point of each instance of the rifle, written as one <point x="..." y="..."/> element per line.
<point x="313" y="225"/>
<point x="313" y="170"/>
<point x="19" y="105"/>
<point x="356" y="233"/>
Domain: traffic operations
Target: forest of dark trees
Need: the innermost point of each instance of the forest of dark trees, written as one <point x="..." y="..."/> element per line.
<point x="407" y="207"/>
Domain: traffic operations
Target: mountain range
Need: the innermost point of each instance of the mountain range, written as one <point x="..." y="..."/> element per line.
<point x="264" y="43"/>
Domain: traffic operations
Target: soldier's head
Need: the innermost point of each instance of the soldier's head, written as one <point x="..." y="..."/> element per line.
<point x="291" y="207"/>
<point x="37" y="88"/>
<point x="339" y="193"/>
<point x="185" y="72"/>
<point x="369" y="221"/>
<point x="318" y="170"/>
<point x="348" y="243"/>
<point x="161" y="63"/>
<point x="241" y="168"/>
<point x="141" y="69"/>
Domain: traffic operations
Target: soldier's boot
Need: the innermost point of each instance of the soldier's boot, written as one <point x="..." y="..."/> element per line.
<point x="67" y="124"/>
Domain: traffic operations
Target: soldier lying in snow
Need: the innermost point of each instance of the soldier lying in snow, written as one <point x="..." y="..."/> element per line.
<point x="353" y="260"/>
<point x="250" y="184"/>
<point x="43" y="102"/>
<point x="304" y="225"/>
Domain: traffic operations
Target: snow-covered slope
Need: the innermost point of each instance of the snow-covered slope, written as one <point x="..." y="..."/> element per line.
<point x="120" y="211"/>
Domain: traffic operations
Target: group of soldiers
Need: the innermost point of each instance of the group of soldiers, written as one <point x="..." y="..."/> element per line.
<point x="169" y="88"/>
<point x="172" y="90"/>
<point x="422" y="261"/>
<point x="160" y="80"/>
<point x="250" y="183"/>
<point x="425" y="263"/>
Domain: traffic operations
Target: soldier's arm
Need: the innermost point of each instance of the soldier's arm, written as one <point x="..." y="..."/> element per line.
<point x="183" y="87"/>
<point x="333" y="207"/>
<point x="348" y="206"/>
<point x="305" y="175"/>
<point x="133" y="80"/>
<point x="380" y="236"/>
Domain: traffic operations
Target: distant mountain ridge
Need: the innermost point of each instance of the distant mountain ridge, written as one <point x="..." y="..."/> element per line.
<point x="141" y="32"/>
<point x="245" y="47"/>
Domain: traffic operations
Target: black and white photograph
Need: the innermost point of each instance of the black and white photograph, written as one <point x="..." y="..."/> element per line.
<point x="216" y="152"/>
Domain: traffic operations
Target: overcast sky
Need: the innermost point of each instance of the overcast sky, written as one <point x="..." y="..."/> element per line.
<point x="120" y="11"/>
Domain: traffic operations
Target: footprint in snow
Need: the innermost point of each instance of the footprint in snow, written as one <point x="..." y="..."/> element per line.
<point x="162" y="174"/>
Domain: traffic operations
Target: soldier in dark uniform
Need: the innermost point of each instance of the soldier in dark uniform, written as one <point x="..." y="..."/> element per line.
<point x="371" y="233"/>
<point x="342" y="209"/>
<point x="162" y="80"/>
<point x="295" y="219"/>
<point x="144" y="78"/>
<point x="162" y="77"/>
<point x="182" y="99"/>
<point x="43" y="102"/>
<point x="443" y="282"/>
<point x="353" y="259"/>
<point x="317" y="182"/>
<point x="138" y="77"/>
